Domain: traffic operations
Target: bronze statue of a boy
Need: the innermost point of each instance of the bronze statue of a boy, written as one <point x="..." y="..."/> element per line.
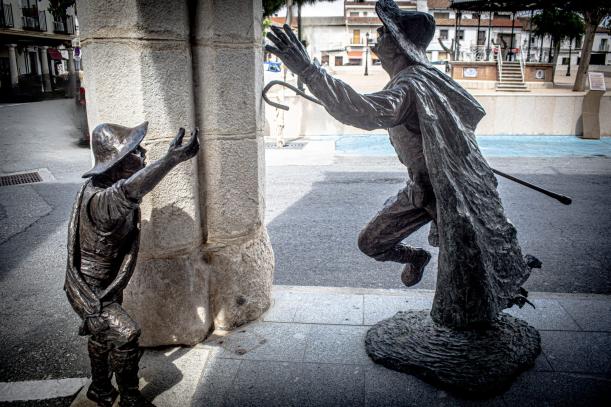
<point x="103" y="241"/>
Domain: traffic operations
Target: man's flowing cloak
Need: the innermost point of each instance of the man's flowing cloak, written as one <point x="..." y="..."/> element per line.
<point x="481" y="266"/>
<point x="80" y="295"/>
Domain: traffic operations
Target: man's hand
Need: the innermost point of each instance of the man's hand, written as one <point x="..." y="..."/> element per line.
<point x="178" y="153"/>
<point x="288" y="49"/>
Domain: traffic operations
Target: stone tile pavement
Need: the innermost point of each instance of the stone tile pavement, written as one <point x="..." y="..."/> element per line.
<point x="308" y="350"/>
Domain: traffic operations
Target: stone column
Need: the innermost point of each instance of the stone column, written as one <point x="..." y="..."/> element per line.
<point x="44" y="62"/>
<point x="71" y="73"/>
<point x="13" y="65"/>
<point x="228" y="68"/>
<point x="152" y="80"/>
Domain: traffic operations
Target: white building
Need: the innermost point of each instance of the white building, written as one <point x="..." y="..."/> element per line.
<point x="35" y="47"/>
<point x="337" y="36"/>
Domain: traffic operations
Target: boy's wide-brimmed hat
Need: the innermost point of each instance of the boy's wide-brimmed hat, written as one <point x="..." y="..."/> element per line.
<point x="111" y="142"/>
<point x="412" y="30"/>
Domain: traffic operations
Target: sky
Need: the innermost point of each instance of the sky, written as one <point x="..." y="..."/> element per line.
<point x="320" y="9"/>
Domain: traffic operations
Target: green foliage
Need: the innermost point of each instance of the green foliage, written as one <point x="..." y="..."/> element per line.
<point x="58" y="8"/>
<point x="272" y="6"/>
<point x="558" y="24"/>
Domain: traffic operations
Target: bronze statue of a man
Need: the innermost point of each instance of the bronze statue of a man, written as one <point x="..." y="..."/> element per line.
<point x="103" y="240"/>
<point x="431" y="122"/>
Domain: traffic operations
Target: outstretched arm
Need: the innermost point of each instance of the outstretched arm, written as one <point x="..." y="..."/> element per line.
<point x="383" y="109"/>
<point x="143" y="181"/>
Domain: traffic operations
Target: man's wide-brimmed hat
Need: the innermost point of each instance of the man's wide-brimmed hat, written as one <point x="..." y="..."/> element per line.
<point x="412" y="30"/>
<point x="111" y="143"/>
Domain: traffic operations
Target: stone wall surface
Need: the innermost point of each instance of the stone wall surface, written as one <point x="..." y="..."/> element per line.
<point x="530" y="113"/>
<point x="228" y="75"/>
<point x="206" y="217"/>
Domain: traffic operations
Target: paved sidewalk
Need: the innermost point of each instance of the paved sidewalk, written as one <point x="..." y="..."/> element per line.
<point x="308" y="350"/>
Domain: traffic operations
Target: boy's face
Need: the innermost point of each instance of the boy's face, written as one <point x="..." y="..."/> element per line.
<point x="132" y="163"/>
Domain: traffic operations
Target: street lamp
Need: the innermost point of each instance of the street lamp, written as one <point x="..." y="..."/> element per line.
<point x="366" y="52"/>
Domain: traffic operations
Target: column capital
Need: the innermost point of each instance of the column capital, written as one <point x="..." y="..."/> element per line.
<point x="11" y="45"/>
<point x="43" y="47"/>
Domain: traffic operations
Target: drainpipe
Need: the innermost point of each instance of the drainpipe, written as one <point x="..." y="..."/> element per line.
<point x="489" y="28"/>
<point x="513" y="23"/>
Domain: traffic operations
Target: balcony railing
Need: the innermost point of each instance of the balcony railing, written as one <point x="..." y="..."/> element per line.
<point x="65" y="26"/>
<point x="6" y="16"/>
<point x="34" y="20"/>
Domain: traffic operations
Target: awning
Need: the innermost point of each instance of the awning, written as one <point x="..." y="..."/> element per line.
<point x="355" y="54"/>
<point x="55" y="54"/>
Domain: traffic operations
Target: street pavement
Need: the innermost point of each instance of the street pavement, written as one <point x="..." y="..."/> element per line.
<point x="317" y="201"/>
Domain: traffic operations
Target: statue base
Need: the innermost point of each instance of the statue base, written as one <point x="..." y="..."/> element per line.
<point x="476" y="363"/>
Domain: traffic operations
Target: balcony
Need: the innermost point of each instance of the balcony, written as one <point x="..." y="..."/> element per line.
<point x="6" y="16"/>
<point x="34" y="20"/>
<point x="65" y="26"/>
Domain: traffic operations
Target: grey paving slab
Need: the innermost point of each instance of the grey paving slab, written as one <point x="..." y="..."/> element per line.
<point x="385" y="387"/>
<point x="168" y="377"/>
<point x="330" y="309"/>
<point x="337" y="344"/>
<point x="215" y="382"/>
<point x="265" y="383"/>
<point x="558" y="389"/>
<point x="583" y="352"/>
<point x="590" y="314"/>
<point x="332" y="385"/>
<point x="379" y="307"/>
<point x="281" y="310"/>
<point x="542" y="364"/>
<point x="548" y="315"/>
<point x="261" y="341"/>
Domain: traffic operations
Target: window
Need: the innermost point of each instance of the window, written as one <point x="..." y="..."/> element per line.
<point x="441" y="15"/>
<point x="578" y="42"/>
<point x="443" y="34"/>
<point x="356" y="36"/>
<point x="339" y="61"/>
<point x="355" y="61"/>
<point x="565" y="60"/>
<point x="461" y="34"/>
<point x="364" y="14"/>
<point x="354" y="14"/>
<point x="481" y="37"/>
<point x="603" y="45"/>
<point x="324" y="59"/>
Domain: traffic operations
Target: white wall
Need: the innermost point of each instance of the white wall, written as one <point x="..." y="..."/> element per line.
<point x="506" y="114"/>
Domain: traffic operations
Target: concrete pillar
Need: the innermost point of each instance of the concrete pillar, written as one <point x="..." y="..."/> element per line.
<point x="169" y="292"/>
<point x="228" y="75"/>
<point x="44" y="62"/>
<point x="13" y="65"/>
<point x="71" y="73"/>
<point x="38" y="70"/>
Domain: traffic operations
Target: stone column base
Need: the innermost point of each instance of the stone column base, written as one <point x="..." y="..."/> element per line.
<point x="241" y="282"/>
<point x="169" y="299"/>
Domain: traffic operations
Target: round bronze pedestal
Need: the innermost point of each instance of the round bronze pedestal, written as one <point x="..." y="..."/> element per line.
<point x="475" y="363"/>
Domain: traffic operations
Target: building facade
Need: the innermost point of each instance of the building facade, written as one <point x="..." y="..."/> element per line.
<point x="36" y="48"/>
<point x="339" y="41"/>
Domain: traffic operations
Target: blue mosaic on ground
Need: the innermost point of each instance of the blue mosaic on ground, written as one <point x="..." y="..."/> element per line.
<point x="491" y="146"/>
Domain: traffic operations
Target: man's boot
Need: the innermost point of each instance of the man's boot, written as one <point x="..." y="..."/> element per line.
<point x="100" y="390"/>
<point x="415" y="260"/>
<point x="124" y="363"/>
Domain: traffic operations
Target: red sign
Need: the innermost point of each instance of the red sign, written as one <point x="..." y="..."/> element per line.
<point x="55" y="54"/>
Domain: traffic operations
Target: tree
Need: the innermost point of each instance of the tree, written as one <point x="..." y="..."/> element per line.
<point x="559" y="24"/>
<point x="593" y="12"/>
<point x="58" y="8"/>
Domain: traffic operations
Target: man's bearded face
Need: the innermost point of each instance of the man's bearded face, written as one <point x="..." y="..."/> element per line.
<point x="385" y="48"/>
